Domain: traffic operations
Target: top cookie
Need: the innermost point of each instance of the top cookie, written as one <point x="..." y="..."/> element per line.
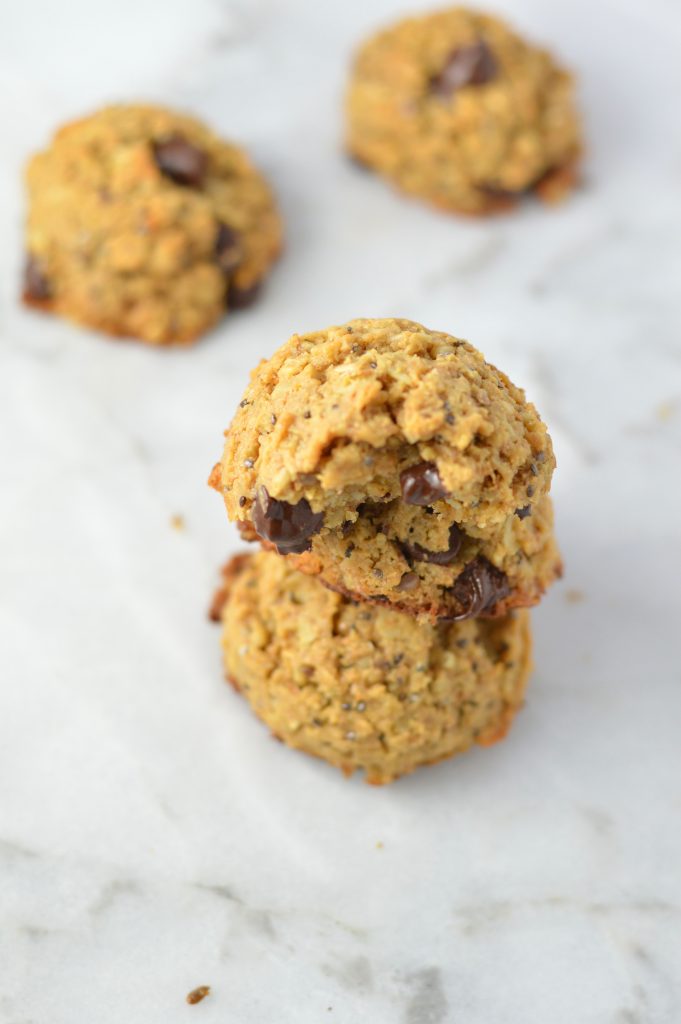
<point x="407" y="433"/>
<point x="456" y="108"/>
<point x="142" y="222"/>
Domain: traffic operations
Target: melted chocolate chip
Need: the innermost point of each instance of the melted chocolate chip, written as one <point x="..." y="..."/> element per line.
<point x="469" y="65"/>
<point x="524" y="512"/>
<point x="241" y="298"/>
<point x="228" y="251"/>
<point x="502" y="196"/>
<point x="36" y="285"/>
<point x="288" y="527"/>
<point x="182" y="162"/>
<point x="362" y="165"/>
<point x="544" y="186"/>
<point x="409" y="581"/>
<point x="421" y="484"/>
<point x="479" y="587"/>
<point x="416" y="553"/>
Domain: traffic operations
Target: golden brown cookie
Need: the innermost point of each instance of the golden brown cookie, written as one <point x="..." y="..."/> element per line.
<point x="398" y="465"/>
<point x="142" y="222"/>
<point x="363" y="687"/>
<point x="457" y="109"/>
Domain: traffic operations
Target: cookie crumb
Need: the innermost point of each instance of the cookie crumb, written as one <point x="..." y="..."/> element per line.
<point x="197" y="994"/>
<point x="574" y="596"/>
<point x="666" y="410"/>
<point x="177" y="522"/>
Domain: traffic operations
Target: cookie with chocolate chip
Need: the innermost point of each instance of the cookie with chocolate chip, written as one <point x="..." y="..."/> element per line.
<point x="457" y="109"/>
<point x="366" y="688"/>
<point x="143" y="223"/>
<point x="397" y="465"/>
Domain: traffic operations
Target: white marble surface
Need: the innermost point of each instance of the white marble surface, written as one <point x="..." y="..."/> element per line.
<point x="152" y="837"/>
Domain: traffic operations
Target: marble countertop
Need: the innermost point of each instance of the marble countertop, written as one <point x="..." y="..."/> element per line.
<point x="152" y="837"/>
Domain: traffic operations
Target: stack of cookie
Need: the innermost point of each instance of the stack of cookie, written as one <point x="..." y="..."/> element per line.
<point x="398" y="484"/>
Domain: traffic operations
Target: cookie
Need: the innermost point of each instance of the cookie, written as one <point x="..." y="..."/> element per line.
<point x="366" y="688"/>
<point x="143" y="223"/>
<point x="399" y="466"/>
<point x="457" y="109"/>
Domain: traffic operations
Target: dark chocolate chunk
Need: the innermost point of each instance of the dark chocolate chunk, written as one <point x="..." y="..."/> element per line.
<point x="416" y="553"/>
<point x="421" y="484"/>
<point x="228" y="251"/>
<point x="478" y="588"/>
<point x="241" y="298"/>
<point x="36" y="285"/>
<point x="363" y="166"/>
<point x="409" y="581"/>
<point x="524" y="512"/>
<point x="502" y="196"/>
<point x="468" y="65"/>
<point x="181" y="161"/>
<point x="288" y="527"/>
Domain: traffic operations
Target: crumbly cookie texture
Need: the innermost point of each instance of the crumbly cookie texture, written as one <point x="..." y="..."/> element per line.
<point x="457" y="109"/>
<point x="143" y="223"/>
<point x="409" y="561"/>
<point x="398" y="465"/>
<point x="366" y="688"/>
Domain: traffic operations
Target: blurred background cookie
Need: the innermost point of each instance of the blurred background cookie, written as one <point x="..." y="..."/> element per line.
<point x="143" y="223"/>
<point x="457" y="109"/>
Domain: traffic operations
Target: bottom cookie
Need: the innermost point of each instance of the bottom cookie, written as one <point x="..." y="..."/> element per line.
<point x="361" y="686"/>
